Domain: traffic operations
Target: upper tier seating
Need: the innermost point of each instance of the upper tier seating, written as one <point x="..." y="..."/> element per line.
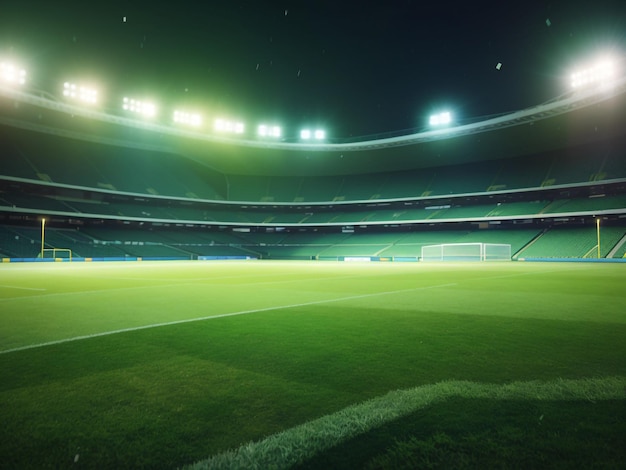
<point x="54" y="159"/>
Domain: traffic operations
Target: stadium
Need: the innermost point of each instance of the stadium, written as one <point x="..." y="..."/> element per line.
<point x="447" y="298"/>
<point x="540" y="179"/>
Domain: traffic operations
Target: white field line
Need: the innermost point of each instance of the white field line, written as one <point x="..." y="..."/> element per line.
<point x="296" y="445"/>
<point x="22" y="288"/>
<point x="223" y="315"/>
<point x="183" y="282"/>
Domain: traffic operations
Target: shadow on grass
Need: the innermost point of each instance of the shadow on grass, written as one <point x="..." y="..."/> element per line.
<point x="479" y="433"/>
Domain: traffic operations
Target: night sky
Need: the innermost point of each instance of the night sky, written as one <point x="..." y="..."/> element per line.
<point x="354" y="68"/>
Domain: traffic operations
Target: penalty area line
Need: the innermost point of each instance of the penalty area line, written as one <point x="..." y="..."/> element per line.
<point x="215" y="317"/>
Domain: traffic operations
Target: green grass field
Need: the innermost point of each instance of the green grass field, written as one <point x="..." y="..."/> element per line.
<point x="313" y="364"/>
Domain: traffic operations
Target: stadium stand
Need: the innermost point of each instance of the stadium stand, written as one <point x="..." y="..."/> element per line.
<point x="572" y="243"/>
<point x="138" y="198"/>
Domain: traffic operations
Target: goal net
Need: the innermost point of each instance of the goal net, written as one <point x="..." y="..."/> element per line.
<point x="467" y="252"/>
<point x="62" y="254"/>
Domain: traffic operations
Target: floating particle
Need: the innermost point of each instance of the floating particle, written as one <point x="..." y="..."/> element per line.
<point x="299" y="72"/>
<point x="286" y="11"/>
<point x="124" y="20"/>
<point x="257" y="66"/>
<point x="548" y="22"/>
<point x="498" y="65"/>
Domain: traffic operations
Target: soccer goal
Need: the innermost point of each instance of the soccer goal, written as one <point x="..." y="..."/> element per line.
<point x="57" y="254"/>
<point x="467" y="252"/>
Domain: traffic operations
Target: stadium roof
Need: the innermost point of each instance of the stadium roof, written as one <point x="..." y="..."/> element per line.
<point x="577" y="118"/>
<point x="351" y="70"/>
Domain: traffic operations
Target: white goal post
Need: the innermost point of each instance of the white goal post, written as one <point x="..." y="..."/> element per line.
<point x="467" y="252"/>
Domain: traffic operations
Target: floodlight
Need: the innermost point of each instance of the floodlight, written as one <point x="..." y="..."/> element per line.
<point x="12" y="74"/>
<point x="139" y="107"/>
<point x="186" y="118"/>
<point x="307" y="134"/>
<point x="269" y="131"/>
<point x="599" y="74"/>
<point x="223" y="125"/>
<point x="80" y="93"/>
<point x="440" y="119"/>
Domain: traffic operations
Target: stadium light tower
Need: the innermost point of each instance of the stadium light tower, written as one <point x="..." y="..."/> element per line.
<point x="599" y="74"/>
<point x="80" y="93"/>
<point x="440" y="119"/>
<point x="12" y="74"/>
<point x="143" y="108"/>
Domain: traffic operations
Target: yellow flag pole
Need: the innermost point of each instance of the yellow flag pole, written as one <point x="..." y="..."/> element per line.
<point x="43" y="235"/>
<point x="598" y="230"/>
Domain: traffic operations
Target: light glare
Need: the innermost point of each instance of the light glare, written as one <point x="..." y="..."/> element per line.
<point x="440" y="119"/>
<point x="599" y="74"/>
<point x="11" y="74"/>
<point x="139" y="107"/>
<point x="80" y="93"/>
<point x="307" y="134"/>
<point x="269" y="131"/>
<point x="186" y="118"/>
<point x="223" y="125"/>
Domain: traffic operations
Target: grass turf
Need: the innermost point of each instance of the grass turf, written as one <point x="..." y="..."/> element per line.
<point x="316" y="338"/>
<point x="478" y="433"/>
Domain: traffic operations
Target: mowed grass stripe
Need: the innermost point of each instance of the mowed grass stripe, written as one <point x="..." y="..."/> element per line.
<point x="218" y="316"/>
<point x="102" y="306"/>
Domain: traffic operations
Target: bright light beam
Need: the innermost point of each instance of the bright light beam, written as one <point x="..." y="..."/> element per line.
<point x="232" y="127"/>
<point x="440" y="119"/>
<point x="144" y="108"/>
<point x="269" y="131"/>
<point x="308" y="134"/>
<point x="599" y="74"/>
<point x="189" y="119"/>
<point x="12" y="74"/>
<point x="80" y="93"/>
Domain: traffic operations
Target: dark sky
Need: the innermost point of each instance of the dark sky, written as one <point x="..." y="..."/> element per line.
<point x="354" y="67"/>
